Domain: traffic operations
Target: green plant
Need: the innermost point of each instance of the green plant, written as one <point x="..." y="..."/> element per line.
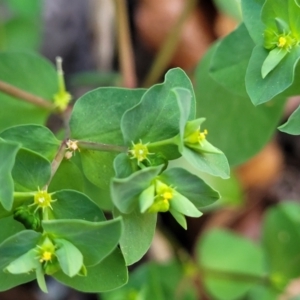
<point x="115" y="156"/>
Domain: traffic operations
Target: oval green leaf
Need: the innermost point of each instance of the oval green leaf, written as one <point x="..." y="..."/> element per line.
<point x="251" y="11"/>
<point x="71" y="204"/>
<point x="231" y="57"/>
<point x="274" y="57"/>
<point x="31" y="171"/>
<point x="281" y="238"/>
<point x="95" y="240"/>
<point x="138" y="234"/>
<point x="292" y="124"/>
<point x="124" y="191"/>
<point x="225" y="258"/>
<point x="261" y="90"/>
<point x="8" y="152"/>
<point x="109" y="274"/>
<point x="69" y="257"/>
<point x="226" y="113"/>
<point x="36" y="138"/>
<point x="17" y="245"/>
<point x="190" y="186"/>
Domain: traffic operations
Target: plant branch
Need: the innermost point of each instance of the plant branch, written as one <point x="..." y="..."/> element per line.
<point x="168" y="48"/>
<point x="170" y="141"/>
<point x="126" y="56"/>
<point x="25" y="96"/>
<point x="23" y="195"/>
<point x="66" y="115"/>
<point x="235" y="276"/>
<point x="101" y="147"/>
<point x="57" y="161"/>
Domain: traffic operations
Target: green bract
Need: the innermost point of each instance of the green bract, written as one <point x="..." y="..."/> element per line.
<point x="175" y="190"/>
<point x="281" y="36"/>
<point x="279" y="53"/>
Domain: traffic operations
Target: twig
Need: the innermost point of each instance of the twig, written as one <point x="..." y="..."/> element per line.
<point x="65" y="116"/>
<point x="125" y="48"/>
<point x="168" y="49"/>
<point x="81" y="145"/>
<point x="57" y="161"/>
<point x="25" y="96"/>
<point x="101" y="147"/>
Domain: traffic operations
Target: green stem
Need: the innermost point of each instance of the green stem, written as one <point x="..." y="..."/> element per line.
<point x="101" y="147"/>
<point x="65" y="115"/>
<point x="45" y="214"/>
<point x="56" y="162"/>
<point x="171" y="141"/>
<point x="168" y="49"/>
<point x="60" y="75"/>
<point x="236" y="276"/>
<point x="23" y="195"/>
<point x="25" y="96"/>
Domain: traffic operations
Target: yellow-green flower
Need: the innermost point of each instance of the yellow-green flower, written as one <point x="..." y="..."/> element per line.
<point x="46" y="251"/>
<point x="196" y="137"/>
<point x="164" y="195"/>
<point x="62" y="97"/>
<point x="139" y="151"/>
<point x="43" y="200"/>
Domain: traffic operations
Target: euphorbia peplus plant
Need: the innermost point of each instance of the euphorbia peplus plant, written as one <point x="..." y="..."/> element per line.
<point x="114" y="157"/>
<point x="116" y="152"/>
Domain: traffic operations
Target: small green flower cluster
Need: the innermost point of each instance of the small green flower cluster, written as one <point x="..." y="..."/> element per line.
<point x="154" y="186"/>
